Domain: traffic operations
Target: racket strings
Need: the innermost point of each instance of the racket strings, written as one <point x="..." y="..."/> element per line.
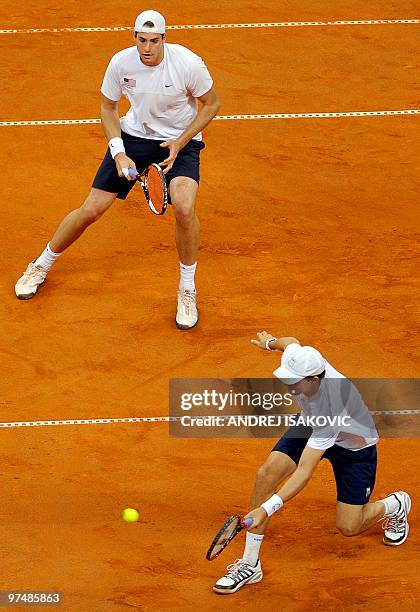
<point x="224" y="537"/>
<point x="156" y="189"/>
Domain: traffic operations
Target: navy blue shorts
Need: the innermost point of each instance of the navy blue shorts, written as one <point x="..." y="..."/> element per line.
<point x="354" y="471"/>
<point x="143" y="152"/>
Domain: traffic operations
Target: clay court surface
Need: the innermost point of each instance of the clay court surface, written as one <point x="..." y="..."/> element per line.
<point x="308" y="229"/>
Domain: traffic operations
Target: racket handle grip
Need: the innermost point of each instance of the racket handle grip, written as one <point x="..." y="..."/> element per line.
<point x="130" y="172"/>
<point x="247" y="522"/>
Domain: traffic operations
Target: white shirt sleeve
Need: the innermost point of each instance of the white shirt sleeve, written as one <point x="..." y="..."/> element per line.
<point x="111" y="86"/>
<point x="199" y="80"/>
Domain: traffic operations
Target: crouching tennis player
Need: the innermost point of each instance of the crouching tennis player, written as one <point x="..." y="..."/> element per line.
<point x="318" y="389"/>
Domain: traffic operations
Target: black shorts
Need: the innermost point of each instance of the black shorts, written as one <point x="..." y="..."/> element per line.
<point x="143" y="152"/>
<point x="354" y="471"/>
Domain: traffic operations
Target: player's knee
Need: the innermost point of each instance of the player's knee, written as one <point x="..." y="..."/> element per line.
<point x="184" y="212"/>
<point x="94" y="207"/>
<point x="348" y="529"/>
<point x="183" y="191"/>
<point x="88" y="216"/>
<point x="267" y="477"/>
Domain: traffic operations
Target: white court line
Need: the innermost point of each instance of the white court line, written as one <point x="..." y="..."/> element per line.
<point x="162" y="419"/>
<point x="381" y="113"/>
<point x="222" y="26"/>
<point x="87" y="422"/>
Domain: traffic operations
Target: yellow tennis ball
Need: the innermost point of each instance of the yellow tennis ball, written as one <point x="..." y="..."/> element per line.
<point x="130" y="515"/>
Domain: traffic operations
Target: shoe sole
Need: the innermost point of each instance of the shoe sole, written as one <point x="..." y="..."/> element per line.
<point x="253" y="580"/>
<point x="30" y="295"/>
<point x="407" y="498"/>
<point x="186" y="327"/>
<point x="25" y="297"/>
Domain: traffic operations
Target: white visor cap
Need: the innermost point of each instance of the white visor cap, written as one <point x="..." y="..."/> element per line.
<point x="154" y="17"/>
<point x="302" y="362"/>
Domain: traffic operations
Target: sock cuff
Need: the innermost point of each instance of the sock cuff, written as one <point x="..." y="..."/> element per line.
<point x="51" y="252"/>
<point x="253" y="544"/>
<point x="391" y="504"/>
<point x="256" y="537"/>
<point x="186" y="267"/>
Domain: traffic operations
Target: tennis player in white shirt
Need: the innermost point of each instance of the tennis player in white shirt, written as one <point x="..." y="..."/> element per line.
<point x="318" y="389"/>
<point x="164" y="84"/>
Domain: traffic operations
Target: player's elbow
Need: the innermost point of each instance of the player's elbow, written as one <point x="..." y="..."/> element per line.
<point x="304" y="472"/>
<point x="107" y="104"/>
<point x="305" y="478"/>
<point x="213" y="103"/>
<point x="106" y="114"/>
<point x="108" y="110"/>
<point x="216" y="104"/>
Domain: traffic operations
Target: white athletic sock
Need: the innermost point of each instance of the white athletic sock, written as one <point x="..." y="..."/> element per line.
<point x="186" y="278"/>
<point x="252" y="548"/>
<point x="47" y="258"/>
<point x="391" y="504"/>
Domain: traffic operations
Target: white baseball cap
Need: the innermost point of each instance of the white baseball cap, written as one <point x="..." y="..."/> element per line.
<point x="154" y="17"/>
<point x="299" y="363"/>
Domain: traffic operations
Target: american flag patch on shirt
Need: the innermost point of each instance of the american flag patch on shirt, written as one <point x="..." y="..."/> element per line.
<point x="130" y="82"/>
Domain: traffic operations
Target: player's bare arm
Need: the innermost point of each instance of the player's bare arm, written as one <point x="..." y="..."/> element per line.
<point x="297" y="481"/>
<point x="267" y="341"/>
<point x="210" y="104"/>
<point x="111" y="126"/>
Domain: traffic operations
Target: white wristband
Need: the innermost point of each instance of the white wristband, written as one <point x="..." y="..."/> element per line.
<point x="116" y="146"/>
<point x="272" y="505"/>
<point x="267" y="344"/>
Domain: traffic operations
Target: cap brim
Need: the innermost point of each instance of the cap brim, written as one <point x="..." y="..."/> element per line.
<point x="287" y="377"/>
<point x="147" y="30"/>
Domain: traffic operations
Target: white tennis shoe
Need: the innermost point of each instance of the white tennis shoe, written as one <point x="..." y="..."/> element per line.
<point x="238" y="574"/>
<point x="28" y="284"/>
<point x="395" y="525"/>
<point x="187" y="313"/>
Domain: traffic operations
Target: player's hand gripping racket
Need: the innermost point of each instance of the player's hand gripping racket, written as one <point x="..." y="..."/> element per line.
<point x="154" y="187"/>
<point x="230" y="529"/>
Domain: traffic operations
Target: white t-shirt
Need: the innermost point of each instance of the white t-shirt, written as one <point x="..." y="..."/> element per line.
<point x="337" y="396"/>
<point x="163" y="98"/>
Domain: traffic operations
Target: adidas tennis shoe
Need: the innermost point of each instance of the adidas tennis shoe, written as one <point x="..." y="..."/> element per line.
<point x="238" y="574"/>
<point x="395" y="525"/>
<point x="28" y="284"/>
<point x="187" y="313"/>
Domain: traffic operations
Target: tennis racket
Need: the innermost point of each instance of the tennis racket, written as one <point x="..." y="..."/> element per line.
<point x="230" y="529"/>
<point x="154" y="187"/>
